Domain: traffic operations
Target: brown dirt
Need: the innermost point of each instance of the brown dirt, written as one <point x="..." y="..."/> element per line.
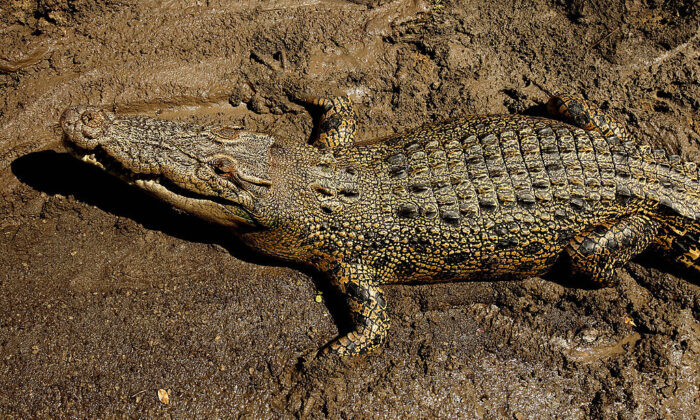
<point x="107" y="296"/>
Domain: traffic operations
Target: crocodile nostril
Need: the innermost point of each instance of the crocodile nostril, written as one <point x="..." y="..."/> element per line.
<point x="93" y="119"/>
<point x="93" y="123"/>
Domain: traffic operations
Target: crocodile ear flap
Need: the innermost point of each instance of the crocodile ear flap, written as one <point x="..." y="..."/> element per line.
<point x="337" y="124"/>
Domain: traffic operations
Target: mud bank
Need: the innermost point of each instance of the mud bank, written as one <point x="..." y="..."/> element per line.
<point x="107" y="296"/>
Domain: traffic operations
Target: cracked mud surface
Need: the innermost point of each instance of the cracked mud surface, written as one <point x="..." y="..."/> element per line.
<point x="107" y="295"/>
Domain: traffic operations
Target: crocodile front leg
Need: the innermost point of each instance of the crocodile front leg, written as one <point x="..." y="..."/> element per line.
<point x="338" y="122"/>
<point x="368" y="307"/>
<point x="585" y="114"/>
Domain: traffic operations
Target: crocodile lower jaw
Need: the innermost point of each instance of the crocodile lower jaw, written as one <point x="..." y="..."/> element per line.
<point x="205" y="207"/>
<point x="108" y="165"/>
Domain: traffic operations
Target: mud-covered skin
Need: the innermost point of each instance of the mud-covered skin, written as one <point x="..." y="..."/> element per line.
<point x="495" y="196"/>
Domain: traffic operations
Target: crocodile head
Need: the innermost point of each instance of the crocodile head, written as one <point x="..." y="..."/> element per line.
<point x="216" y="173"/>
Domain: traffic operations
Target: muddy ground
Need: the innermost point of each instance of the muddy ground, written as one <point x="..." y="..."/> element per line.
<point x="107" y="296"/>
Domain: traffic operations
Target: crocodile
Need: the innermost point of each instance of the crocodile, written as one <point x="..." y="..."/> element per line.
<point x="479" y="197"/>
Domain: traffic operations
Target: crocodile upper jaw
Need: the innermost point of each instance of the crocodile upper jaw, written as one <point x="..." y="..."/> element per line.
<point x="83" y="128"/>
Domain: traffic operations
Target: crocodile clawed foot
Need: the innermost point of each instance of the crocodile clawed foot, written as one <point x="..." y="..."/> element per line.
<point x="356" y="343"/>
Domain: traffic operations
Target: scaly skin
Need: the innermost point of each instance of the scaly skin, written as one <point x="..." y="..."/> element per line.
<point x="499" y="196"/>
<point x="584" y="114"/>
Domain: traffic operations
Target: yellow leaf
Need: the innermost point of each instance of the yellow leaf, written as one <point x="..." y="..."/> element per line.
<point x="163" y="396"/>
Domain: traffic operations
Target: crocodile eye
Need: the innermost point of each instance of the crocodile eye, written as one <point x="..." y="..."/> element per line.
<point x="228" y="133"/>
<point x="223" y="165"/>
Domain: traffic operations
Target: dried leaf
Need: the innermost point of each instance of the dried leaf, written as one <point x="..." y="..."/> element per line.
<point x="163" y="396"/>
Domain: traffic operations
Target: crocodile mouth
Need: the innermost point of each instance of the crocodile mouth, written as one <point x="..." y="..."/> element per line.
<point x="102" y="160"/>
<point x="162" y="187"/>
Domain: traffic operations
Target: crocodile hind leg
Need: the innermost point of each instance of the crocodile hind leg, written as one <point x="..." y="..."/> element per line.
<point x="596" y="254"/>
<point x="368" y="308"/>
<point x="338" y="122"/>
<point x="688" y="247"/>
<point x="586" y="115"/>
<point x="682" y="246"/>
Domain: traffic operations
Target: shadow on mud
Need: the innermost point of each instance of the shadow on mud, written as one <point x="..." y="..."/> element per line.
<point x="561" y="273"/>
<point x="60" y="173"/>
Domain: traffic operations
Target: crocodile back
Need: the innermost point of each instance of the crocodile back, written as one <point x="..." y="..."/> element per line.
<point x="488" y="166"/>
<point x="481" y="165"/>
<point x="507" y="193"/>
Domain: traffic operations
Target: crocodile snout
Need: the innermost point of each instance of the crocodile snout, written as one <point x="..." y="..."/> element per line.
<point x="84" y="125"/>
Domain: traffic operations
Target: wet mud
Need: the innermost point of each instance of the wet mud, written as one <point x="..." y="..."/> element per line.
<point x="107" y="296"/>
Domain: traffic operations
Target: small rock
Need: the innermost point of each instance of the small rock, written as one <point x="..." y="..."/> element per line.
<point x="589" y="335"/>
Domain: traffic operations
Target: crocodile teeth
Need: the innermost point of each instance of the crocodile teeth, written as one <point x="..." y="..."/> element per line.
<point x="148" y="183"/>
<point x="92" y="160"/>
